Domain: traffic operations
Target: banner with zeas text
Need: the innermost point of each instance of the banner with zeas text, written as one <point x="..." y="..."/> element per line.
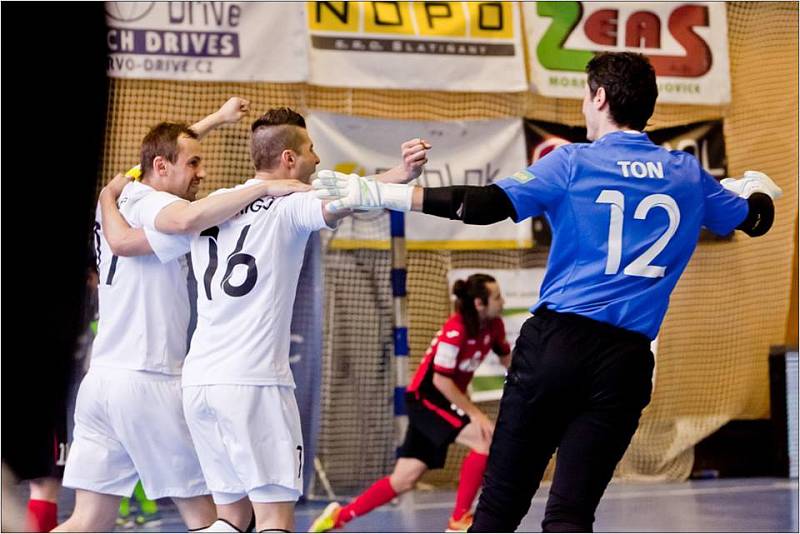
<point x="687" y="44"/>
<point x="444" y="46"/>
<point x="209" y="41"/>
<point x="462" y="153"/>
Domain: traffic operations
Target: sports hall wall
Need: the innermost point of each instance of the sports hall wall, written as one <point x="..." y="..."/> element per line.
<point x="732" y="303"/>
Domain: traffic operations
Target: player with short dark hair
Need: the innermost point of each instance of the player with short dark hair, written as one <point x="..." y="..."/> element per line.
<point x="439" y="410"/>
<point x="626" y="217"/>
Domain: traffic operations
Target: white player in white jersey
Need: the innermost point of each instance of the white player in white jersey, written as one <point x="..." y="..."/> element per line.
<point x="129" y="422"/>
<point x="238" y="388"/>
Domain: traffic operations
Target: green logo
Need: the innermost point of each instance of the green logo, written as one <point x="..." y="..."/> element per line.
<point x="523" y="176"/>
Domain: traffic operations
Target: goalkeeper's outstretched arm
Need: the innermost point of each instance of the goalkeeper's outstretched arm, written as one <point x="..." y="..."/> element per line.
<point x="760" y="192"/>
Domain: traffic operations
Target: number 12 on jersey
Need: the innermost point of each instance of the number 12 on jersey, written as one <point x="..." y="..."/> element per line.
<point x="235" y="258"/>
<point x="641" y="265"/>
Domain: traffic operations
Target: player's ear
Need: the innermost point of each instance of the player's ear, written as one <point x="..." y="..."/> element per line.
<point x="289" y="158"/>
<point x="160" y="165"/>
<point x="599" y="99"/>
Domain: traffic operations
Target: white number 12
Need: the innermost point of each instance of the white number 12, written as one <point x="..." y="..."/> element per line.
<point x="641" y="265"/>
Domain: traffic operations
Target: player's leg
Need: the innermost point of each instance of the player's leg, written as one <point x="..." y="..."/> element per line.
<point x="43" y="501"/>
<point x="403" y="478"/>
<point x="204" y="419"/>
<point x="162" y="450"/>
<point x="98" y="466"/>
<point x="43" y="504"/>
<point x="537" y="403"/>
<point x="197" y="511"/>
<point x="471" y="476"/>
<point x="274" y="516"/>
<point x="595" y="441"/>
<point x="94" y="512"/>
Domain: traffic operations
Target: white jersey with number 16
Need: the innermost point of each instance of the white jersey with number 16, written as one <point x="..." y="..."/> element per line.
<point x="247" y="270"/>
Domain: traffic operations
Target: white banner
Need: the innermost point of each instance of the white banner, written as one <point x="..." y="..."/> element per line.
<point x="520" y="289"/>
<point x="463" y="153"/>
<point x="686" y="43"/>
<point x="447" y="46"/>
<point x="220" y="41"/>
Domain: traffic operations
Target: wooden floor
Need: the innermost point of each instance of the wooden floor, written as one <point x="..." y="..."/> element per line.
<point x="726" y="505"/>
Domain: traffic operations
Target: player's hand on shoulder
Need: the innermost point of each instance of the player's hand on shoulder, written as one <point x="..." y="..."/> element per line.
<point x="233" y="110"/>
<point x="115" y="186"/>
<point x="752" y="182"/>
<point x="279" y="188"/>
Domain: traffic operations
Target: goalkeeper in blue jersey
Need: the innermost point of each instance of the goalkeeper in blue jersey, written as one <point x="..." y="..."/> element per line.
<point x="626" y="217"/>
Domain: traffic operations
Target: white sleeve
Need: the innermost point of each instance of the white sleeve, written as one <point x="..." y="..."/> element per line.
<point x="166" y="247"/>
<point x="148" y="207"/>
<point x="305" y="212"/>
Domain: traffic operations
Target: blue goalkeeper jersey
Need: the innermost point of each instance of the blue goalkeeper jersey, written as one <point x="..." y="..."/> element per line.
<point x="626" y="217"/>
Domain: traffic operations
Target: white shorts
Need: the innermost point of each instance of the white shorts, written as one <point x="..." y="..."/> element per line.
<point x="248" y="439"/>
<point x="129" y="425"/>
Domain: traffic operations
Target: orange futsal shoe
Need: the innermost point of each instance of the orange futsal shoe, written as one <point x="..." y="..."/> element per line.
<point x="460" y="525"/>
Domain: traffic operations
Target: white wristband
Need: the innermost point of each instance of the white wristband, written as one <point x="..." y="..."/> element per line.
<point x="396" y="196"/>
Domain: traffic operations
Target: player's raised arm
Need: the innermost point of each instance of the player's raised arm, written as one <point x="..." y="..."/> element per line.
<point x="232" y="111"/>
<point x="415" y="156"/>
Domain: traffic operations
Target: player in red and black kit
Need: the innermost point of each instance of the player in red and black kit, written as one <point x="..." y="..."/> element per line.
<point x="439" y="410"/>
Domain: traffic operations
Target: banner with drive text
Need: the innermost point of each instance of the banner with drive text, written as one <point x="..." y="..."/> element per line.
<point x="446" y="46"/>
<point x="687" y="44"/>
<point x="462" y="153"/>
<point x="216" y="41"/>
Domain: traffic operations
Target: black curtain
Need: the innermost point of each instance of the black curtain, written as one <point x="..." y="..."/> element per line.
<point x="54" y="97"/>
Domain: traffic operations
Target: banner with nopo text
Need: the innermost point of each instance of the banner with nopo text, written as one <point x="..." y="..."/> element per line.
<point x="445" y="46"/>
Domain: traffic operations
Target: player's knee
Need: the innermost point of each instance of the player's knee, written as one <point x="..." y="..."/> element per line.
<point x="403" y="482"/>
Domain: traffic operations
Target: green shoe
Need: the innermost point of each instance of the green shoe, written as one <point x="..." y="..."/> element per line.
<point x="149" y="520"/>
<point x="125" y="519"/>
<point x="327" y="519"/>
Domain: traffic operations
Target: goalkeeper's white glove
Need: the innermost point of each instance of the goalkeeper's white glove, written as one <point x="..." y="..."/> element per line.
<point x="752" y="182"/>
<point x="354" y="192"/>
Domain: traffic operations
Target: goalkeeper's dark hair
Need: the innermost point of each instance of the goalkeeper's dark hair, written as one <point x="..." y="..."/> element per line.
<point x="629" y="81"/>
<point x="162" y="140"/>
<point x="272" y="133"/>
<point x="466" y="291"/>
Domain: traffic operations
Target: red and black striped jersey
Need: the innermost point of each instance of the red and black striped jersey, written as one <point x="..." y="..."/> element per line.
<point x="456" y="355"/>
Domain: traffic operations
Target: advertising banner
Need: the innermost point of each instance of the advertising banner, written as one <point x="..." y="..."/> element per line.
<point x="687" y="43"/>
<point x="214" y="41"/>
<point x="446" y="46"/>
<point x="463" y="153"/>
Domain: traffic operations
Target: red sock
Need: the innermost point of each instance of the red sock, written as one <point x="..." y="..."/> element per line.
<point x="379" y="493"/>
<point x="471" y="476"/>
<point x="42" y="515"/>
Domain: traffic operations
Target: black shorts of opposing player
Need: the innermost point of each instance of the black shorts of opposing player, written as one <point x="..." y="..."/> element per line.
<point x="42" y="450"/>
<point x="430" y="432"/>
<point x="574" y="384"/>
